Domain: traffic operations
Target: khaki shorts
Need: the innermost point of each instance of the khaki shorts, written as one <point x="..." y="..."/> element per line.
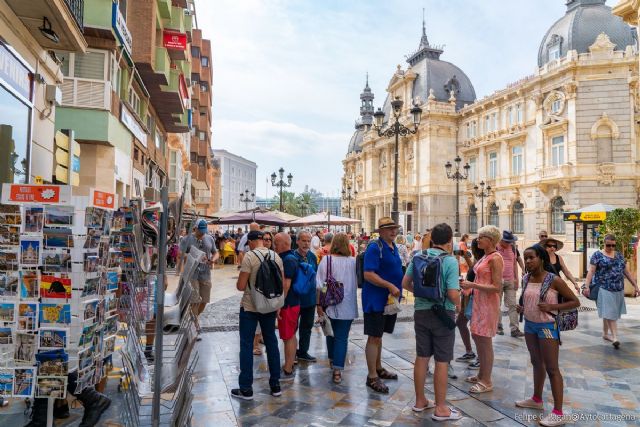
<point x="201" y="291"/>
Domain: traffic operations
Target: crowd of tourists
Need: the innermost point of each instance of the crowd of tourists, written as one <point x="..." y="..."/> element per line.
<point x="291" y="279"/>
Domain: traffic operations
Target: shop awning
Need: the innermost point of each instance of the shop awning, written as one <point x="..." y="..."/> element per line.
<point x="592" y="213"/>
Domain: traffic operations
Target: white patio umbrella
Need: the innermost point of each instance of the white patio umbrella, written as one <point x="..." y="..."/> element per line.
<point x="323" y="218"/>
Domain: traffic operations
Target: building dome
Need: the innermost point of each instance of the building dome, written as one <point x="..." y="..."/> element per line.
<point x="355" y="145"/>
<point x="579" y="27"/>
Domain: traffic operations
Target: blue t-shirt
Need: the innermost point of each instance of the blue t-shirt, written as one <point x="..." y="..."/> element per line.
<point x="389" y="268"/>
<point x="307" y="300"/>
<point x="290" y="265"/>
<point x="609" y="271"/>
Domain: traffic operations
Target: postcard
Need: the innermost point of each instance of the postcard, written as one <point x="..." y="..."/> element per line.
<point x="9" y="281"/>
<point x="92" y="239"/>
<point x="112" y="280"/>
<point x="110" y="326"/>
<point x="30" y="251"/>
<point x="52" y="338"/>
<point x="23" y="385"/>
<point x="88" y="333"/>
<point x="29" y="284"/>
<point x="91" y="263"/>
<point x="48" y="386"/>
<point x="10" y="215"/>
<point x="110" y="303"/>
<point x="28" y="316"/>
<point x="57" y="237"/>
<point x="85" y="358"/>
<point x="56" y="260"/>
<point x="55" y="313"/>
<point x="52" y="362"/>
<point x="58" y="216"/>
<point x="7" y="312"/>
<point x="6" y="335"/>
<point x="109" y="345"/>
<point x="9" y="259"/>
<point x="94" y="217"/>
<point x="6" y="382"/>
<point x="25" y="348"/>
<point x="55" y="285"/>
<point x="90" y="287"/>
<point x="90" y="309"/>
<point x="9" y="235"/>
<point x="33" y="220"/>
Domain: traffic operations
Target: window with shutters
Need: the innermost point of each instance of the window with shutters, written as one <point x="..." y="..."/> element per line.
<point x="493" y="165"/>
<point x="473" y="219"/>
<point x="557" y="216"/>
<point x="557" y="151"/>
<point x="494" y="218"/>
<point x="517" y="218"/>
<point x="473" y="169"/>
<point x="519" y="113"/>
<point x="517" y="160"/>
<point x="86" y="82"/>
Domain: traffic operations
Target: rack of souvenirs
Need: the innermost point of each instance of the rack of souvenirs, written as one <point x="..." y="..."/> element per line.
<point x="58" y="300"/>
<point x="135" y="239"/>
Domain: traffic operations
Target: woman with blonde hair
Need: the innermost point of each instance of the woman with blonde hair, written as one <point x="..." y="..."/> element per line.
<point x="486" y="303"/>
<point x="341" y="266"/>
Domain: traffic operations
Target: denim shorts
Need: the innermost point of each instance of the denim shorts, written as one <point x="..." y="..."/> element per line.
<point x="548" y="330"/>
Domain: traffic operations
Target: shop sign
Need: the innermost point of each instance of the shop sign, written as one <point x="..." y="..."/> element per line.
<point x="15" y="73"/>
<point x="102" y="199"/>
<point x="132" y="124"/>
<point x="15" y="194"/>
<point x="585" y="216"/>
<point x="172" y="40"/>
<point x="120" y="27"/>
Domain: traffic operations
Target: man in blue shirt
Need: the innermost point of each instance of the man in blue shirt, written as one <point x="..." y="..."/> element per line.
<point x="308" y="301"/>
<point x="288" y="315"/>
<point x="382" y="277"/>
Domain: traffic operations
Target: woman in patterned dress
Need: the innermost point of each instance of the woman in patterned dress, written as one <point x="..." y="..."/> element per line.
<point x="486" y="304"/>
<point x="608" y="269"/>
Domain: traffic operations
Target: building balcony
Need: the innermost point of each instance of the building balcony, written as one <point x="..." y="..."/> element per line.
<point x="65" y="16"/>
<point x="176" y="22"/>
<point x="198" y="173"/>
<point x="86" y="93"/>
<point x="162" y="66"/>
<point x="195" y="69"/>
<point x="165" y="9"/>
<point x="203" y="147"/>
<point x="195" y="94"/>
<point x="515" y="179"/>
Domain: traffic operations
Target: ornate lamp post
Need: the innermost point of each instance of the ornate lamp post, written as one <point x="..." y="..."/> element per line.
<point x="282" y="184"/>
<point x="457" y="176"/>
<point x="482" y="192"/>
<point x="396" y="129"/>
<point x="244" y="198"/>
<point x="347" y="196"/>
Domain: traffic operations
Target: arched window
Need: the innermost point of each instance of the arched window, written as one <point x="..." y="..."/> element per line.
<point x="493" y="215"/>
<point x="473" y="219"/>
<point x="517" y="217"/>
<point x="557" y="220"/>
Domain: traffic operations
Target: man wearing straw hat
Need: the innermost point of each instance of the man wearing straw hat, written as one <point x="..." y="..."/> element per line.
<point x="382" y="278"/>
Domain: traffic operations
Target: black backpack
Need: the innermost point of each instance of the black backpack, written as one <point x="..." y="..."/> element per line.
<point x="360" y="262"/>
<point x="268" y="290"/>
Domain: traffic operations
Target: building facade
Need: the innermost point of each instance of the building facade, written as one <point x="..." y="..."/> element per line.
<point x="30" y="80"/>
<point x="237" y="174"/>
<point x="560" y="139"/>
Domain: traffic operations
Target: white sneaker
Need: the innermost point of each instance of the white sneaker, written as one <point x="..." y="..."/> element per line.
<point x="552" y="419"/>
<point x="529" y="403"/>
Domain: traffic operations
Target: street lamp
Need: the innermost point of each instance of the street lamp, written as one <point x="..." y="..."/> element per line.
<point x="482" y="193"/>
<point x="244" y="198"/>
<point x="282" y="184"/>
<point x="457" y="176"/>
<point x="347" y="196"/>
<point x="396" y="129"/>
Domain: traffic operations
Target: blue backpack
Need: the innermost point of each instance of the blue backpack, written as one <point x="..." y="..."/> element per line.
<point x="427" y="276"/>
<point x="305" y="280"/>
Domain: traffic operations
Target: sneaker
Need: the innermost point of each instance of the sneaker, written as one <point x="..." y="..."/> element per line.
<point x="467" y="357"/>
<point x="242" y="394"/>
<point x="451" y="374"/>
<point x="517" y="333"/>
<point x="552" y="419"/>
<point x="306" y="357"/>
<point x="500" y="330"/>
<point x="276" y="391"/>
<point x="529" y="403"/>
<point x="474" y="365"/>
<point x="287" y="376"/>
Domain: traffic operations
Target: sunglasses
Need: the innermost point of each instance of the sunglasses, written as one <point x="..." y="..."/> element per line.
<point x="552" y="246"/>
<point x="266" y="240"/>
<point x="543" y="236"/>
<point x="610" y="245"/>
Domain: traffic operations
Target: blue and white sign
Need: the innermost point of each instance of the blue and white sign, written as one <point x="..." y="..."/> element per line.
<point x="119" y="24"/>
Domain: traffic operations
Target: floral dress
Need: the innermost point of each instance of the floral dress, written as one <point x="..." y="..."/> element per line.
<point x="609" y="275"/>
<point x="486" y="305"/>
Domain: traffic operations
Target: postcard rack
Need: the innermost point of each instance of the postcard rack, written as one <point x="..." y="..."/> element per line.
<point x="158" y="357"/>
<point x="58" y="290"/>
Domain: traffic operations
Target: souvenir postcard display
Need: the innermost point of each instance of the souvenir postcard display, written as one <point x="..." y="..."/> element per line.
<point x="58" y="305"/>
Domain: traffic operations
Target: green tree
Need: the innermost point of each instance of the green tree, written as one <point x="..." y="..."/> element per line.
<point x="306" y="204"/>
<point x="288" y="202"/>
<point x="624" y="224"/>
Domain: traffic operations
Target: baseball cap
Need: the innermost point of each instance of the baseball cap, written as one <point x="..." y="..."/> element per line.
<point x="255" y="235"/>
<point x="201" y="225"/>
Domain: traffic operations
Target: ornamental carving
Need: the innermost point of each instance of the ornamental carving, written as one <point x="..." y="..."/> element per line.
<point x="383" y="159"/>
<point x="554" y="40"/>
<point x="607" y="173"/>
<point x="409" y="152"/>
<point x="604" y="121"/>
<point x="602" y="47"/>
<point x="554" y="105"/>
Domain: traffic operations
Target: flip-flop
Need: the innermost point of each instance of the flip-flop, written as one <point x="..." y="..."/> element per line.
<point x="472" y="379"/>
<point x="478" y="388"/>
<point x="616" y="344"/>
<point x="453" y="416"/>
<point x="607" y="338"/>
<point x="430" y="404"/>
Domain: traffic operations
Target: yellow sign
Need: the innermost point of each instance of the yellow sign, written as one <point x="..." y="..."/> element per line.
<point x="38" y="180"/>
<point x="62" y="159"/>
<point x="593" y="216"/>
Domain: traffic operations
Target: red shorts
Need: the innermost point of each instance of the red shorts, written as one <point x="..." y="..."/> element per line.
<point x="288" y="322"/>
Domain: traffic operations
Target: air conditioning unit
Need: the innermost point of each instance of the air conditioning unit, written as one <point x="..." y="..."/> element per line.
<point x="188" y="12"/>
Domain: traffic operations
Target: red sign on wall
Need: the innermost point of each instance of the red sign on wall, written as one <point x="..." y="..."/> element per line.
<point x="101" y="199"/>
<point x="29" y="193"/>
<point x="172" y="40"/>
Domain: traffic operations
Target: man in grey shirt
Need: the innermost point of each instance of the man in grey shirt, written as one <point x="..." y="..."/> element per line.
<point x="201" y="280"/>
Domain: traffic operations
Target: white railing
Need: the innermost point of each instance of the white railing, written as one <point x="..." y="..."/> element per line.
<point x="549" y="172"/>
<point x="515" y="179"/>
<point x="86" y="93"/>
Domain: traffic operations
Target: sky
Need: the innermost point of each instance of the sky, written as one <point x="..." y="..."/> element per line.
<point x="287" y="74"/>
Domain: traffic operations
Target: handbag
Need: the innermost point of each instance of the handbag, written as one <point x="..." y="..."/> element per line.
<point x="594" y="288"/>
<point x="325" y="323"/>
<point x="468" y="310"/>
<point x="332" y="293"/>
<point x="565" y="320"/>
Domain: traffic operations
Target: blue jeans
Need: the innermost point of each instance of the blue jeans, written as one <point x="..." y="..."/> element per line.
<point x="248" y="322"/>
<point x="337" y="344"/>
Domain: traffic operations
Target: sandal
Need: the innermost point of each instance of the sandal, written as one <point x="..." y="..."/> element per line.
<point x="386" y="375"/>
<point x="472" y="379"/>
<point x="337" y="377"/>
<point x="257" y="352"/>
<point x="377" y="385"/>
<point x="430" y="404"/>
<point x="453" y="416"/>
<point x="607" y="338"/>
<point x="478" y="388"/>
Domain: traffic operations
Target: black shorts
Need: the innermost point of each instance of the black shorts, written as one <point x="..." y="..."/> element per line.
<point x="433" y="338"/>
<point x="375" y="324"/>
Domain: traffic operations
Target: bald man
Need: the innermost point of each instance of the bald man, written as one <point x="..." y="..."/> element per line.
<point x="288" y="315"/>
<point x="243" y="245"/>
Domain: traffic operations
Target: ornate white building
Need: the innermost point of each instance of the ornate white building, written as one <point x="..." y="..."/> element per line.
<point x="560" y="139"/>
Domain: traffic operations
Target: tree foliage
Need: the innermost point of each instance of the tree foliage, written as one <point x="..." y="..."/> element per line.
<point x="299" y="205"/>
<point x="624" y="224"/>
